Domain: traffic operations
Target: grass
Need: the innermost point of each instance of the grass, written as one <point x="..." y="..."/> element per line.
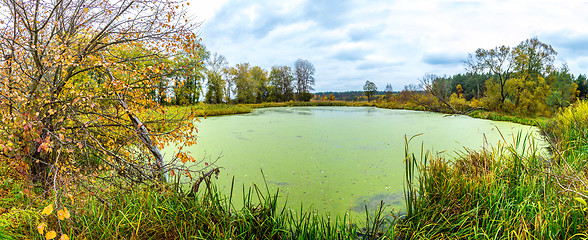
<point x="495" y="116"/>
<point x="510" y="191"/>
<point x="206" y="110"/>
<point x="165" y="213"/>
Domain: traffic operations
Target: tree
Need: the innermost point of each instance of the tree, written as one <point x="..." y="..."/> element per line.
<point x="304" y="79"/>
<point x="459" y="91"/>
<point x="217" y="62"/>
<point x="74" y="89"/>
<point x="530" y="85"/>
<point x="187" y="73"/>
<point x="472" y="84"/>
<point x="280" y="80"/>
<point x="214" y="87"/>
<point x="389" y="91"/>
<point x="582" y="83"/>
<point x="244" y="86"/>
<point x="369" y="89"/>
<point x="534" y="58"/>
<point x="332" y="98"/>
<point x="260" y="82"/>
<point x="563" y="91"/>
<point x="440" y="88"/>
<point x="228" y="73"/>
<point x="498" y="61"/>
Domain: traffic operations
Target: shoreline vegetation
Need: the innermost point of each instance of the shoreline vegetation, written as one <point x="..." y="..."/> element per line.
<point x="494" y="193"/>
<point x="209" y="110"/>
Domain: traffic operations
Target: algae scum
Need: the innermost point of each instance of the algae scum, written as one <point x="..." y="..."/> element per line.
<point x="335" y="159"/>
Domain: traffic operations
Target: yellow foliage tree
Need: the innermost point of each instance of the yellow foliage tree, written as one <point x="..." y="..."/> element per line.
<point x="76" y="87"/>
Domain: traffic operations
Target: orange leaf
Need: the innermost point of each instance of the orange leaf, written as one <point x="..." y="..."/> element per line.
<point x="48" y="210"/>
<point x="50" y="235"/>
<point x="60" y="214"/>
<point x="63" y="214"/>
<point x="41" y="228"/>
<point x="67" y="215"/>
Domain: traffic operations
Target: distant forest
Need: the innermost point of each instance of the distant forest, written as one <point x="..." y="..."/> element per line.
<point x="346" y="96"/>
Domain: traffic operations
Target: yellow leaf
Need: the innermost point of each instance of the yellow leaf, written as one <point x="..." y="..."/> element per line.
<point x="66" y="213"/>
<point x="64" y="237"/>
<point x="50" y="235"/>
<point x="580" y="200"/>
<point x="48" y="210"/>
<point x="60" y="214"/>
<point x="41" y="228"/>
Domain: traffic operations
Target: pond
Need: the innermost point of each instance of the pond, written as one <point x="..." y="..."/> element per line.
<point x="335" y="159"/>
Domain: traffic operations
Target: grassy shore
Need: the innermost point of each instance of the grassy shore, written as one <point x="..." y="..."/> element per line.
<point x="202" y="109"/>
<point x="507" y="192"/>
<point x="165" y="213"/>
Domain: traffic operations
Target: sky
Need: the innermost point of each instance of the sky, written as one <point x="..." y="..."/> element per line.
<point x="393" y="41"/>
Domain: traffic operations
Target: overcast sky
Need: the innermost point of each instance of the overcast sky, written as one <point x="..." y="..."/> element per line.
<point x="394" y="42"/>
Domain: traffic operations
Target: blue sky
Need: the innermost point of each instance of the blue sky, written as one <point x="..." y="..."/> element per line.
<point x="397" y="42"/>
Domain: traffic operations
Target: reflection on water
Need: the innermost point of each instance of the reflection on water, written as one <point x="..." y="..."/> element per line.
<point x="334" y="159"/>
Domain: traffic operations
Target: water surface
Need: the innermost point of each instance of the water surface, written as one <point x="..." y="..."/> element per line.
<point x="334" y="159"/>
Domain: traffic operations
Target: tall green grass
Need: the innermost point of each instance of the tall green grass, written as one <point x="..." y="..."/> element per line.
<point x="165" y="213"/>
<point x="509" y="191"/>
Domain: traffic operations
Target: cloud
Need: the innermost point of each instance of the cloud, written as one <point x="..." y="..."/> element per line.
<point x="574" y="45"/>
<point x="378" y="65"/>
<point x="350" y="41"/>
<point x="442" y="59"/>
<point x="349" y="55"/>
<point x="327" y="13"/>
<point x="363" y="33"/>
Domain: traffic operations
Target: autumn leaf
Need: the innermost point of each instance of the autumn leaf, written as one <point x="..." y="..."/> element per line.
<point x="580" y="200"/>
<point x="63" y="214"/>
<point x="41" y="228"/>
<point x="182" y="157"/>
<point x="50" y="235"/>
<point x="48" y="210"/>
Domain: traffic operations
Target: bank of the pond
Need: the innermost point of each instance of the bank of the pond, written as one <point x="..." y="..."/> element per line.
<point x="501" y="193"/>
<point x="206" y="110"/>
<point x="164" y="213"/>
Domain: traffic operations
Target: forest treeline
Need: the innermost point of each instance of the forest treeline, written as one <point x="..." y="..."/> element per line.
<point x="211" y="79"/>
<point x="520" y="80"/>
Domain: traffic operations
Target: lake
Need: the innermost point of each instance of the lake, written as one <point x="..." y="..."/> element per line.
<point x="335" y="159"/>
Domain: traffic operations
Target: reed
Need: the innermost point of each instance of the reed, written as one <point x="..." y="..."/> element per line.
<point x="509" y="191"/>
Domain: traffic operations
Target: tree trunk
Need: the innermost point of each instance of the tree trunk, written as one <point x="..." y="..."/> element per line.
<point x="143" y="134"/>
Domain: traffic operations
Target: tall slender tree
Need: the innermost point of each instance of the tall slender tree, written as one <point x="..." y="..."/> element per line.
<point x="499" y="61"/>
<point x="369" y="89"/>
<point x="304" y="71"/>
